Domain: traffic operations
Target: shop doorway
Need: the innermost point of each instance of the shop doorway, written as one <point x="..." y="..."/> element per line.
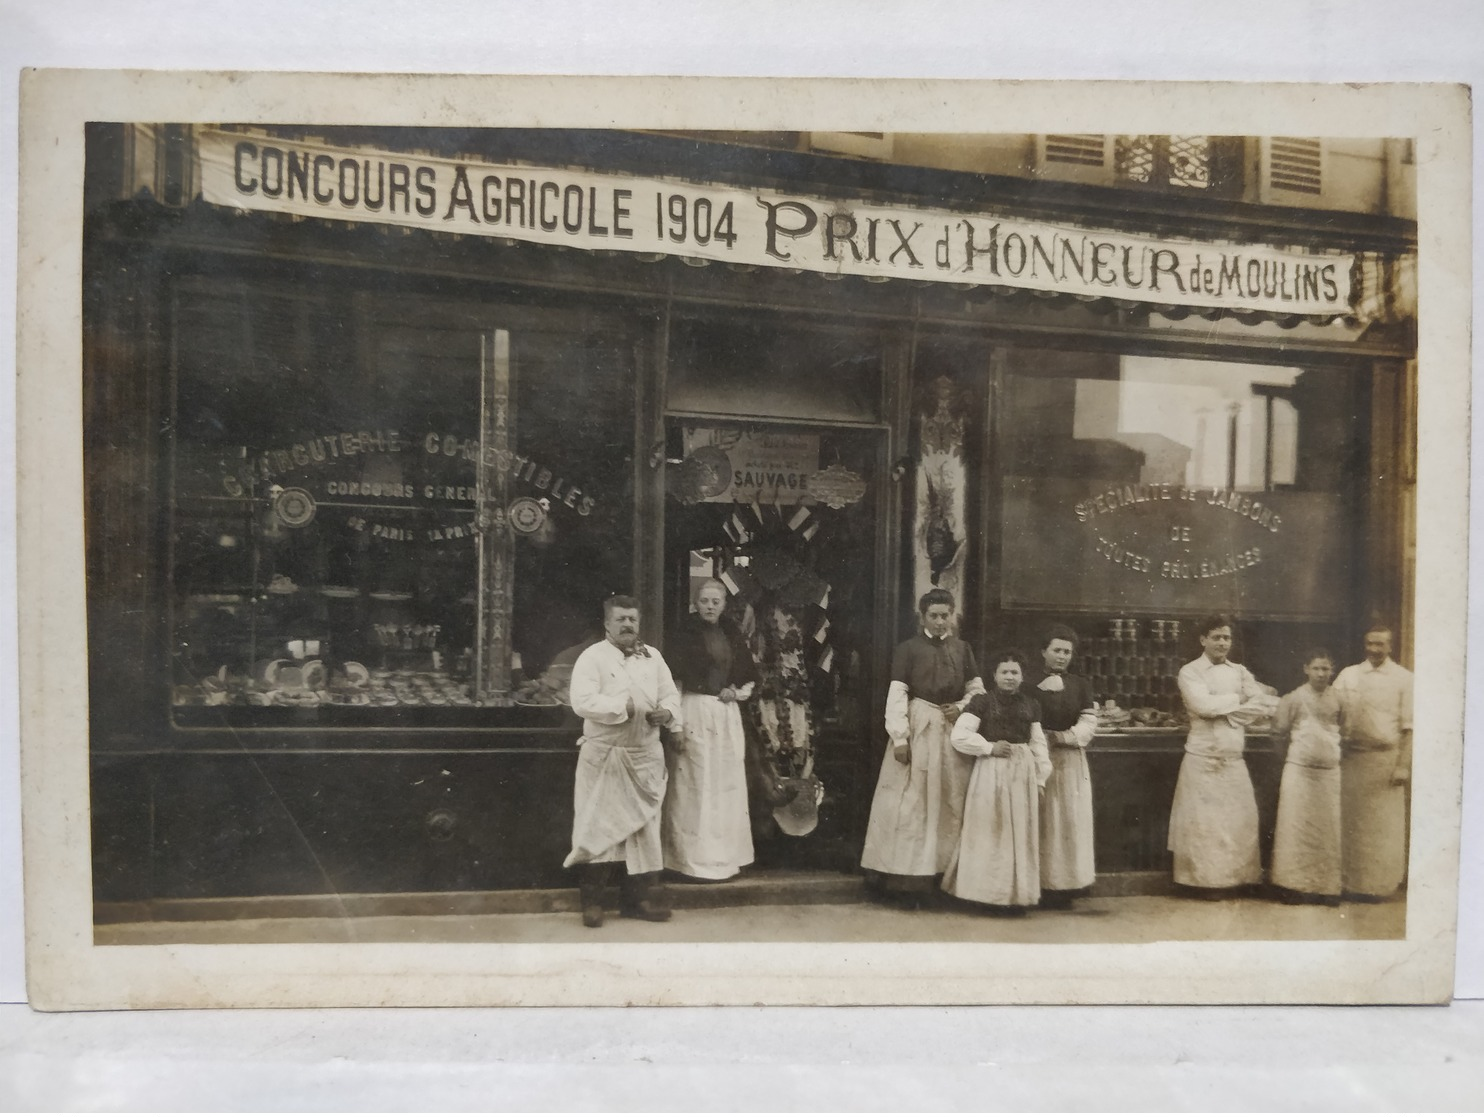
<point x="787" y="517"/>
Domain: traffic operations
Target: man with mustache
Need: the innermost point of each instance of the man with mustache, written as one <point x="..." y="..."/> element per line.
<point x="625" y="694"/>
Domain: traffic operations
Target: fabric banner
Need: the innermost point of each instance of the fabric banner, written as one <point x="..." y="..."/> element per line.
<point x="762" y="228"/>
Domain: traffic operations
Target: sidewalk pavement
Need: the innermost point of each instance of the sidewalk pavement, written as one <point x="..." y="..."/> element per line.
<point x="1100" y="919"/>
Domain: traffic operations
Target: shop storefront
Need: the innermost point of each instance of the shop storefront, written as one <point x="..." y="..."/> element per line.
<point x="377" y="419"/>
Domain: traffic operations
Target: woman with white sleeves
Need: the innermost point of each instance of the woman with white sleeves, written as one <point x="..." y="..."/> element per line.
<point x="917" y="810"/>
<point x="998" y="859"/>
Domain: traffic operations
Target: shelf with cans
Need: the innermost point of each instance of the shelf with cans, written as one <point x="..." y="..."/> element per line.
<point x="1133" y="666"/>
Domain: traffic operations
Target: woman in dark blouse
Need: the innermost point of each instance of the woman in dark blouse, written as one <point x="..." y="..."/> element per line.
<point x="1070" y="721"/>
<point x="705" y="826"/>
<point x="918" y="805"/>
<point x="997" y="862"/>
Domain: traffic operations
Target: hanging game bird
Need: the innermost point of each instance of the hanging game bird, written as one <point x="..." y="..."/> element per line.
<point x="937" y="532"/>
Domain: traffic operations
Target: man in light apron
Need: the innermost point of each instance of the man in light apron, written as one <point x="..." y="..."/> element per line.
<point x="624" y="693"/>
<point x="1376" y="719"/>
<point x="1213" y="819"/>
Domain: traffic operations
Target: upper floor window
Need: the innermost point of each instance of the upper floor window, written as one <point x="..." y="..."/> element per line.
<point x="1210" y="164"/>
<point x="1163" y="160"/>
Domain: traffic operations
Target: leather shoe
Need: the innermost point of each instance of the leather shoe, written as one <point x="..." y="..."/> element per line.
<point x="592" y="915"/>
<point x="645" y="910"/>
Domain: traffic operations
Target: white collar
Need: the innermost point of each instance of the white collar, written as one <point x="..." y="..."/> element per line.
<point x="1206" y="663"/>
<point x="641" y="650"/>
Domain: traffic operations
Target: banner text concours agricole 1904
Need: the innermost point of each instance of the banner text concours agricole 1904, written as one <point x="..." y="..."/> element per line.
<point x="593" y="210"/>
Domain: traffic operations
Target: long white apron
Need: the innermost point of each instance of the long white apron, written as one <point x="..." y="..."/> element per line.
<point x="616" y="800"/>
<point x="1066" y="822"/>
<point x="1373" y="811"/>
<point x="998" y="857"/>
<point x="1306" y="838"/>
<point x="917" y="810"/>
<point x="705" y="829"/>
<point x="1213" y="823"/>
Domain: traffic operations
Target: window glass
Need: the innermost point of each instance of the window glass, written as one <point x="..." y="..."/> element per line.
<point x="1155" y="484"/>
<point x="327" y="558"/>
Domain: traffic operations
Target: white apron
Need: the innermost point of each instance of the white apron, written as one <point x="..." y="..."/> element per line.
<point x="1373" y="811"/>
<point x="918" y="807"/>
<point x="616" y="801"/>
<point x="1213" y="823"/>
<point x="998" y="858"/>
<point x="1066" y="822"/>
<point x="706" y="831"/>
<point x="1306" y="838"/>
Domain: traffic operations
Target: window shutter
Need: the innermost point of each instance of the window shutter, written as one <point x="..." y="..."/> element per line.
<point x="1084" y="150"/>
<point x="1078" y="158"/>
<point x="1293" y="168"/>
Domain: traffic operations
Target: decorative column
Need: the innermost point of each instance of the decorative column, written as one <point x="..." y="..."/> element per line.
<point x="940" y="540"/>
<point x="495" y="543"/>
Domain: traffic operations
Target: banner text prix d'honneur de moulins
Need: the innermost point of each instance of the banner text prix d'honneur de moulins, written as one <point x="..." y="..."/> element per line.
<point x="590" y="210"/>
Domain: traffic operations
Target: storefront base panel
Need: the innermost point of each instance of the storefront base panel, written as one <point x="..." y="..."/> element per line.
<point x="176" y="825"/>
<point x="177" y="835"/>
<point x="197" y="825"/>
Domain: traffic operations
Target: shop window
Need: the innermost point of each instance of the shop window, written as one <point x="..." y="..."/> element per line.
<point x="1159" y="485"/>
<point x="397" y="516"/>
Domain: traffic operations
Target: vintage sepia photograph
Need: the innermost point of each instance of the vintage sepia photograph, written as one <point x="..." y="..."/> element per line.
<point x="942" y="540"/>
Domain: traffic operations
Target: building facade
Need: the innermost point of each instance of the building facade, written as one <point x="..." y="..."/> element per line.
<point x="376" y="418"/>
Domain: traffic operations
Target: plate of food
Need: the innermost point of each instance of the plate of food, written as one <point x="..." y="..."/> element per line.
<point x="356" y="673"/>
<point x="314" y="675"/>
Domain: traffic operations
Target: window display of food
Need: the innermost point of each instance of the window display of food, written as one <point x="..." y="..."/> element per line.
<point x="429" y="518"/>
<point x="1113" y="718"/>
<point x="551" y="688"/>
<point x="283" y="683"/>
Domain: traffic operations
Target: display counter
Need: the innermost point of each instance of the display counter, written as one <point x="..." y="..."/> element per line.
<point x="1133" y="779"/>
